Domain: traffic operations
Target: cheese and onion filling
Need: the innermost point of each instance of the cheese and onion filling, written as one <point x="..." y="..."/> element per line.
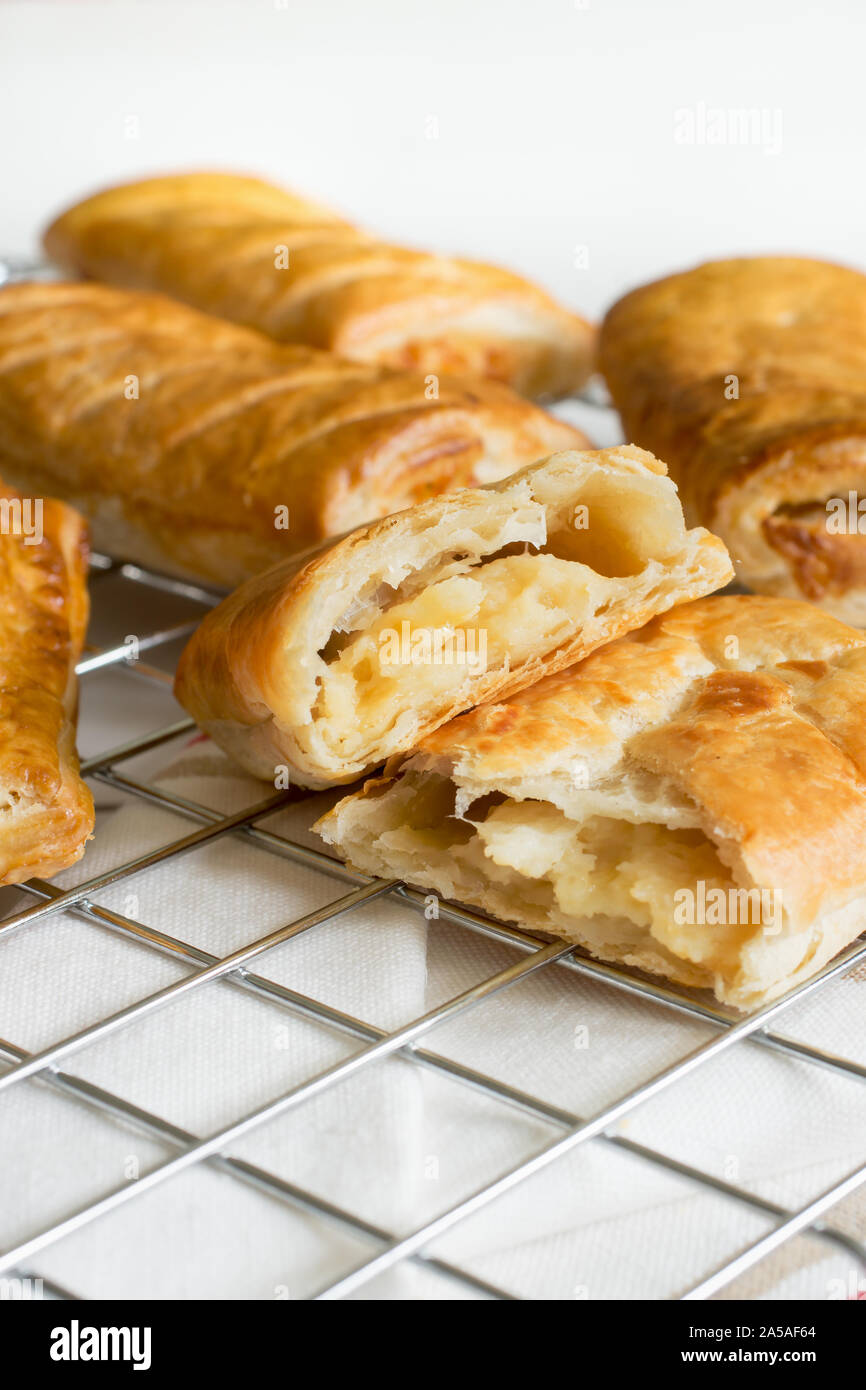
<point x="495" y="615"/>
<point x="606" y="868"/>
<point x="605" y="883"/>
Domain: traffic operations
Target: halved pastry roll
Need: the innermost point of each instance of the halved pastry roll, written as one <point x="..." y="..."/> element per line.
<point x="690" y="800"/>
<point x="249" y="251"/>
<point x="749" y="377"/>
<point x="207" y="449"/>
<point x="328" y="668"/>
<point x="46" y="811"/>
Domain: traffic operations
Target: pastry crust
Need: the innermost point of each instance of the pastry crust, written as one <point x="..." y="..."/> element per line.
<point x="789" y="336"/>
<point x="328" y="667"/>
<point x="721" y="744"/>
<point x="207" y="449"/>
<point x="214" y="240"/>
<point x="46" y="811"/>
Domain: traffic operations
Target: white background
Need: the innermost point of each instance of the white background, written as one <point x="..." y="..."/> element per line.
<point x="556" y="120"/>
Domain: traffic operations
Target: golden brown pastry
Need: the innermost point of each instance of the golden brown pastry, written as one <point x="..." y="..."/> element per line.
<point x="248" y="251"/>
<point x="690" y="800"/>
<point x="327" y="668"/>
<point x="46" y="811"/>
<point x="749" y="377"/>
<point x="207" y="449"/>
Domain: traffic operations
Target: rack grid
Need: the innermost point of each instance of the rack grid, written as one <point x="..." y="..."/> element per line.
<point x="532" y="954"/>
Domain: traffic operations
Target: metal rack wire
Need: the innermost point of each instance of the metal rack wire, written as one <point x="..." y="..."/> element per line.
<point x="386" y="1247"/>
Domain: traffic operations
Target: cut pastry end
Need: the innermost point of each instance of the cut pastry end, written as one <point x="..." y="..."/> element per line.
<point x="796" y="527"/>
<point x="330" y="669"/>
<point x="612" y="886"/>
<point x="689" y="800"/>
<point x="46" y="810"/>
<point x="40" y="836"/>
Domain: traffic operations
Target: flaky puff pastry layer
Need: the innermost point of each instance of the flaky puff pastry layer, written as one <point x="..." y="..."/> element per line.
<point x="46" y="811"/>
<point x="719" y="750"/>
<point x="254" y="253"/>
<point x="323" y="670"/>
<point x="209" y="450"/>
<point x="749" y="377"/>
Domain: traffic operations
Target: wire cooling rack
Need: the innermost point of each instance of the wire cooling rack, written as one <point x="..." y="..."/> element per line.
<point x="386" y="1248"/>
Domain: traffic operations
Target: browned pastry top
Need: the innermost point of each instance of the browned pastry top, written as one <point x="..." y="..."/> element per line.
<point x="155" y="418"/>
<point x="262" y="256"/>
<point x="770" y="742"/>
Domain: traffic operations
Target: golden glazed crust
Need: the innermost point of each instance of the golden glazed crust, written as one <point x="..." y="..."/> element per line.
<point x="215" y="241"/>
<point x="729" y="730"/>
<point x="789" y="336"/>
<point x="189" y="441"/>
<point x="46" y="811"/>
<point x="301" y="668"/>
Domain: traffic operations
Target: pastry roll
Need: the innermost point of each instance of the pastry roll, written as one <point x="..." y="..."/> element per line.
<point x="689" y="800"/>
<point x="207" y="449"/>
<point x="326" y="668"/>
<point x="254" y="253"/>
<point x="749" y="377"/>
<point x="46" y="811"/>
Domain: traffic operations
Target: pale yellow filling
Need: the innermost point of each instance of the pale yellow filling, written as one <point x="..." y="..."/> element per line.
<point x="615" y="869"/>
<point x="495" y="615"/>
<point x="607" y="883"/>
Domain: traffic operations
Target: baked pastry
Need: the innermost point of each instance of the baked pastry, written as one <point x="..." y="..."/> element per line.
<point x="749" y="378"/>
<point x="326" y="668"/>
<point x="690" y="800"/>
<point x="248" y="251"/>
<point x="207" y="449"/>
<point x="46" y="811"/>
